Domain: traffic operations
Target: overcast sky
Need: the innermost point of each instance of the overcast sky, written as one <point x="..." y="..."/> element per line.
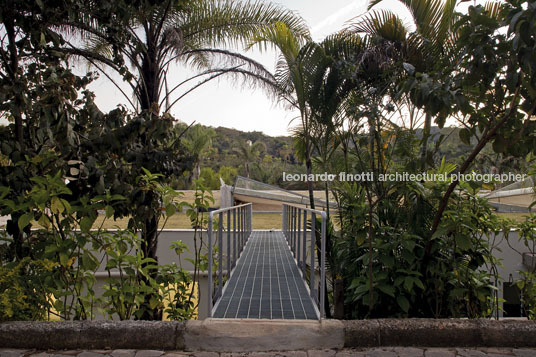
<point x="221" y="103"/>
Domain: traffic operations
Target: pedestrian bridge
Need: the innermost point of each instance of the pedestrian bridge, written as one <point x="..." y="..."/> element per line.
<point x="259" y="274"/>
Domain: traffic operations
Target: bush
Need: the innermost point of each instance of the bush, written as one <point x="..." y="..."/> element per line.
<point x="454" y="283"/>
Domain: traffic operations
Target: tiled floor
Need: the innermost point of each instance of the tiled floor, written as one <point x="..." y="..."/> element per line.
<point x="266" y="283"/>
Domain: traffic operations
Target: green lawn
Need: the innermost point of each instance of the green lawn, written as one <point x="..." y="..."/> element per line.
<point x="519" y="217"/>
<point x="260" y="221"/>
<point x="181" y="221"/>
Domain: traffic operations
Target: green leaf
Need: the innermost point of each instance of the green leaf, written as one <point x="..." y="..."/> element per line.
<point x="25" y="219"/>
<point x="465" y="136"/>
<point x="499" y="144"/>
<point x="463" y="242"/>
<point x="86" y="223"/>
<point x="170" y="209"/>
<point x="408" y="283"/>
<point x="109" y="211"/>
<point x="44" y="221"/>
<point x="64" y="258"/>
<point x="409" y="68"/>
<point x="403" y="303"/>
<point x="418" y="282"/>
<point x="153" y="302"/>
<point x="56" y="205"/>
<point x="387" y="289"/>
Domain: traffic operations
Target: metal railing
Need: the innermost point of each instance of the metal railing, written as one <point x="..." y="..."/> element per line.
<point x="295" y="231"/>
<point x="237" y="232"/>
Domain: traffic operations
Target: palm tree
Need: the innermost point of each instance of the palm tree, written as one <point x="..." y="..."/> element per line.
<point x="197" y="140"/>
<point x="196" y="33"/>
<point x="311" y="80"/>
<point x="291" y="84"/>
<point x="434" y="37"/>
<point x="250" y="153"/>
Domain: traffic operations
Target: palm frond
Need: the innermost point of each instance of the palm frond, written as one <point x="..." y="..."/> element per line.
<point x="229" y="22"/>
<point x="383" y="23"/>
<point x="495" y="9"/>
<point x="427" y="14"/>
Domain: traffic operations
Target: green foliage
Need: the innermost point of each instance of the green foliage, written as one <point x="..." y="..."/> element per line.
<point x="130" y="281"/>
<point x="228" y="174"/>
<point x="454" y="283"/>
<point x="62" y="281"/>
<point x="210" y="178"/>
<point x="23" y="294"/>
<point x="527" y="281"/>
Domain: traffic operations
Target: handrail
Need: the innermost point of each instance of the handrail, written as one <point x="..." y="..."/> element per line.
<point x="295" y="231"/>
<point x="241" y="231"/>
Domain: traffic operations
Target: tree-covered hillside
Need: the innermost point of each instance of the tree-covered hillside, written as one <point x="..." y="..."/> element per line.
<point x="226" y="152"/>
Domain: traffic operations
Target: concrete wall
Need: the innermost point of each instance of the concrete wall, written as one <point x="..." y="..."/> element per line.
<point x="510" y="253"/>
<point x="236" y="335"/>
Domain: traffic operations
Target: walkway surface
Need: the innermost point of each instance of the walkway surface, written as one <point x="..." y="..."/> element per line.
<point x="266" y="283"/>
<point x="385" y="351"/>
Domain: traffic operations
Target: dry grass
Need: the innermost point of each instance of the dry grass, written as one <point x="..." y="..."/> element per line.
<point x="518" y="217"/>
<point x="181" y="221"/>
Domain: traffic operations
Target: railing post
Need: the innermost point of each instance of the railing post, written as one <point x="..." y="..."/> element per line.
<point x="313" y="242"/>
<point x="283" y="220"/>
<point x="234" y="238"/>
<point x="243" y="225"/>
<point x="304" y="245"/>
<point x="294" y="214"/>
<point x="289" y="218"/>
<point x="323" y="266"/>
<point x="298" y="241"/>
<point x="291" y="233"/>
<point x="209" y="269"/>
<point x="239" y="231"/>
<point x="250" y="207"/>
<point x="228" y="243"/>
<point x="220" y="254"/>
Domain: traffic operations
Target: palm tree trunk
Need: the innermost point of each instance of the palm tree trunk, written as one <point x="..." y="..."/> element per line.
<point x="425" y="136"/>
<point x="148" y="98"/>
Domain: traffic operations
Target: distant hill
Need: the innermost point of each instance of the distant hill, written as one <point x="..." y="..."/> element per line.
<point x="279" y="155"/>
<point x="227" y="139"/>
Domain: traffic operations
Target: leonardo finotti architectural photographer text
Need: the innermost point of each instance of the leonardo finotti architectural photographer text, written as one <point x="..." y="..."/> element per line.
<point x="404" y="176"/>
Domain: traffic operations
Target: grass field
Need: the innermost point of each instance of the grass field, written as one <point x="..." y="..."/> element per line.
<point x="260" y="221"/>
<point x="181" y="221"/>
<point x="515" y="216"/>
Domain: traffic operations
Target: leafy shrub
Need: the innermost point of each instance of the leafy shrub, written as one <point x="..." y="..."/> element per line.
<point x="23" y="294"/>
<point x="454" y="283"/>
<point x="62" y="281"/>
<point x="527" y="281"/>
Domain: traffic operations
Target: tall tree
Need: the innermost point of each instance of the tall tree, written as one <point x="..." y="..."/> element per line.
<point x="197" y="141"/>
<point x="192" y="32"/>
<point x="290" y="73"/>
<point x="433" y="37"/>
<point x="249" y="153"/>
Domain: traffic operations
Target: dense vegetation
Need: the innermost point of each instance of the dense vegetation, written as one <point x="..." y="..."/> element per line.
<point x="374" y="97"/>
<point x="221" y="159"/>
